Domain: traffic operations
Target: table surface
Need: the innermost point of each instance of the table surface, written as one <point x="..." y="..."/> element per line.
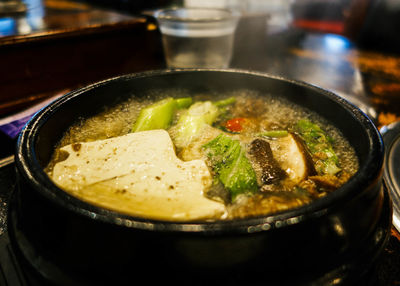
<point x="369" y="78"/>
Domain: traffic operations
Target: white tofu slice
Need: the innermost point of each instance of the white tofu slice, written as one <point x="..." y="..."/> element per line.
<point x="290" y="156"/>
<point x="138" y="174"/>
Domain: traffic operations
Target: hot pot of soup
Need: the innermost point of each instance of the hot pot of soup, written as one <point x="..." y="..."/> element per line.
<point x="199" y="176"/>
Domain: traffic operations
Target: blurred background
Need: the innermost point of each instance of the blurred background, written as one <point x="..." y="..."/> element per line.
<point x="370" y="23"/>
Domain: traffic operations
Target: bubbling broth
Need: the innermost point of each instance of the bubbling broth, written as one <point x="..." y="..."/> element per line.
<point x="175" y="157"/>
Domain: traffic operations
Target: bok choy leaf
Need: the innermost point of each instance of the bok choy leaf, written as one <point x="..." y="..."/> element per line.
<point x="231" y="166"/>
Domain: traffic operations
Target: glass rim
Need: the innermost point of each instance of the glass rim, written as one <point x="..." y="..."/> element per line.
<point x="168" y="15"/>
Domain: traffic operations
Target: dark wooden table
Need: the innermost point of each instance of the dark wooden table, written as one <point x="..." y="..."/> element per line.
<point x="74" y="44"/>
<point x="63" y="45"/>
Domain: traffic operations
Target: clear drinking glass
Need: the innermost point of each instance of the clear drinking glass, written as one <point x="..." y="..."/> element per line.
<point x="197" y="37"/>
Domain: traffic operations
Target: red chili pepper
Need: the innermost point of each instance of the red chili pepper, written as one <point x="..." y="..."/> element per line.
<point x="235" y="124"/>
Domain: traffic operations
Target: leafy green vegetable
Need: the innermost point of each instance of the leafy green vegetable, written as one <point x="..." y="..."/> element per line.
<point x="320" y="147"/>
<point x="225" y="102"/>
<point x="192" y="121"/>
<point x="183" y="102"/>
<point x="160" y="114"/>
<point x="198" y="115"/>
<point x="231" y="166"/>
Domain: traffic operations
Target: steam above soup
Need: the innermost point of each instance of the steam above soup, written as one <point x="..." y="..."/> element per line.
<point x="202" y="157"/>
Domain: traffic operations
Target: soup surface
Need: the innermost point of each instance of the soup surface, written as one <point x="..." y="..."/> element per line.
<point x="179" y="157"/>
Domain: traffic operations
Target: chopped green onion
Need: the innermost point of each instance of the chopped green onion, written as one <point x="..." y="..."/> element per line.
<point x="274" y="133"/>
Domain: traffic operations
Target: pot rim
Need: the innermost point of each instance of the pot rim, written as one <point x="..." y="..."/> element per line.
<point x="29" y="167"/>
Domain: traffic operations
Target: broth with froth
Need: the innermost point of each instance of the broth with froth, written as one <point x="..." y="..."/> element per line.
<point x="191" y="157"/>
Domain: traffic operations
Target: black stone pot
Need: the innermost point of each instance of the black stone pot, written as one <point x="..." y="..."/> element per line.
<point x="333" y="241"/>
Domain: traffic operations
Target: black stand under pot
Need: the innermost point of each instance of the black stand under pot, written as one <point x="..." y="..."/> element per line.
<point x="335" y="240"/>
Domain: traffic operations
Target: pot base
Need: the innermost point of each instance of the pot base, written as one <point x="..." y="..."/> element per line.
<point x="357" y="270"/>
